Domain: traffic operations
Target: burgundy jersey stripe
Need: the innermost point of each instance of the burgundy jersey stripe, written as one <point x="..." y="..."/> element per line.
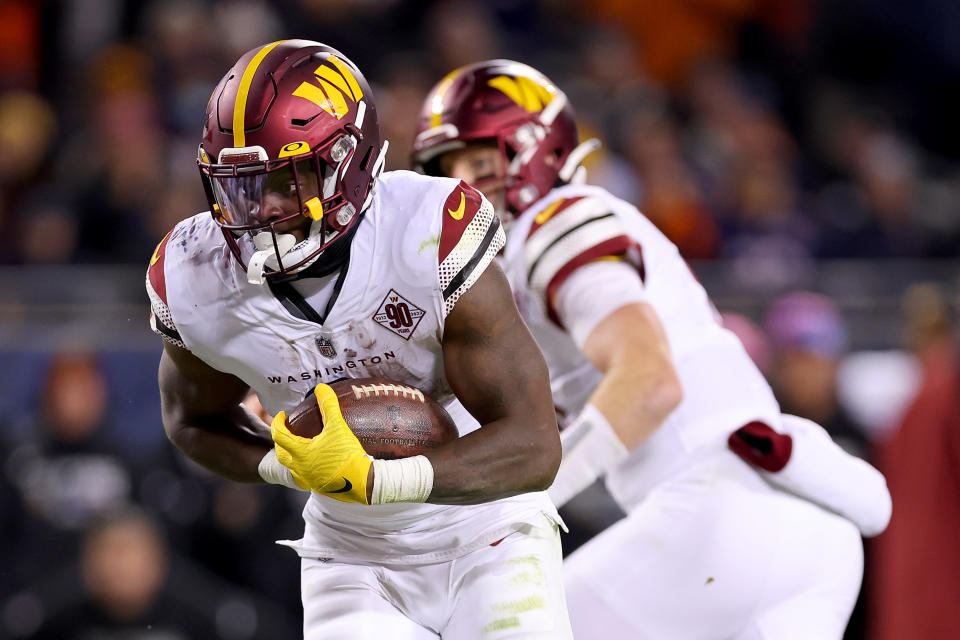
<point x="461" y="206"/>
<point x="612" y="247"/>
<point x="550" y="211"/>
<point x="155" y="271"/>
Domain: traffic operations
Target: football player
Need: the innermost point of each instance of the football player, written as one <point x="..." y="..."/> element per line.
<point x="312" y="265"/>
<point x="666" y="404"/>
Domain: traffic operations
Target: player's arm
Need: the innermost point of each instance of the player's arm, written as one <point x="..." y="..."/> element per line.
<point x="203" y="416"/>
<point x="201" y="406"/>
<point x="498" y="373"/>
<point x="639" y="388"/>
<point x="801" y="458"/>
<point x="587" y="269"/>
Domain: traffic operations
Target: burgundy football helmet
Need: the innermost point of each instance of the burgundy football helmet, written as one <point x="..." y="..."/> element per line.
<point x="291" y="131"/>
<point x="514" y="106"/>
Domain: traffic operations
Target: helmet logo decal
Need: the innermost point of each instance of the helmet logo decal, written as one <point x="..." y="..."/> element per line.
<point x="294" y="148"/>
<point x="526" y="92"/>
<point x="336" y="84"/>
<point x="347" y="75"/>
<point x="240" y="107"/>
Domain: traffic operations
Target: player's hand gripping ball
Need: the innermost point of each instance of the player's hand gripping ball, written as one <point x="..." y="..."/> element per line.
<point x="332" y="462"/>
<point x="390" y="419"/>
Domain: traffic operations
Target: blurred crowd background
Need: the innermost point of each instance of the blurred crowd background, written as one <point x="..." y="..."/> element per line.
<point x="803" y="154"/>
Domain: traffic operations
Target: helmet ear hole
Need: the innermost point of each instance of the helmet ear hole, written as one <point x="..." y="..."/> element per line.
<point x="553" y="158"/>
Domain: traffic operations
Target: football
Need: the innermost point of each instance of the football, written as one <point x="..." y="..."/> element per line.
<point x="391" y="420"/>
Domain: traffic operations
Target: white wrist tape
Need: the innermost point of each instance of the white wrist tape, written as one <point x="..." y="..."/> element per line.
<point x="590" y="450"/>
<point x="822" y="472"/>
<point x="403" y="480"/>
<point x="273" y="472"/>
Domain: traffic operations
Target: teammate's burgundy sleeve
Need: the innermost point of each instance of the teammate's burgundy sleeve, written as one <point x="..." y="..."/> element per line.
<point x="569" y="234"/>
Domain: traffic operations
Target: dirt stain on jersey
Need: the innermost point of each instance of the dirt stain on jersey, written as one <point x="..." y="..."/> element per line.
<point x="361" y="336"/>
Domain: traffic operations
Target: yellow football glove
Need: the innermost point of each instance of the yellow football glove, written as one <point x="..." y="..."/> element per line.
<point x="332" y="462"/>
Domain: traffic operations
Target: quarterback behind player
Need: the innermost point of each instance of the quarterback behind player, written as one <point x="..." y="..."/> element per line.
<point x="665" y="403"/>
<point x="312" y="266"/>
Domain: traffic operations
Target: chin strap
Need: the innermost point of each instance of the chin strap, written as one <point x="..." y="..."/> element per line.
<point x="379" y="165"/>
<point x="266" y="255"/>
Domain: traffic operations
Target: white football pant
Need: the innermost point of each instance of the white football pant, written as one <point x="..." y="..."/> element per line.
<point x="511" y="590"/>
<point x="717" y="554"/>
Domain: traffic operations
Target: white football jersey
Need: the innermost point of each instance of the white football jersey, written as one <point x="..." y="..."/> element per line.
<point x="722" y="389"/>
<point x="422" y="243"/>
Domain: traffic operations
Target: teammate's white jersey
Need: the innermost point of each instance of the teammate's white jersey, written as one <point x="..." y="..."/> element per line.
<point x="422" y="243"/>
<point x="723" y="390"/>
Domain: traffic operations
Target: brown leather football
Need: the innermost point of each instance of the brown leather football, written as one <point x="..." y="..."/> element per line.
<point x="391" y="419"/>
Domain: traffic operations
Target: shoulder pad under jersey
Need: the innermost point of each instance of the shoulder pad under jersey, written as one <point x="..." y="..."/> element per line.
<point x="569" y="233"/>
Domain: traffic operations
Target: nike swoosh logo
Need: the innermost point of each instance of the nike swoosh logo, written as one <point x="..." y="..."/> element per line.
<point x="458" y="214"/>
<point x="347" y="485"/>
